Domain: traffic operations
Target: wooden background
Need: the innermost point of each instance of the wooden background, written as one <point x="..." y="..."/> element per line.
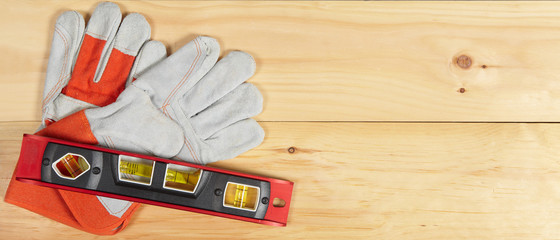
<point x="393" y="139"/>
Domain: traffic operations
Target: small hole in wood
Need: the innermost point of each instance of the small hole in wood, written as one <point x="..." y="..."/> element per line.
<point x="292" y="150"/>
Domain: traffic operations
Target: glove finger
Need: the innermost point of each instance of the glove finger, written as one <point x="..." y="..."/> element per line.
<point x="150" y="54"/>
<point x="226" y="75"/>
<point x="114" y="71"/>
<point x="179" y="72"/>
<point x="68" y="34"/>
<point x="134" y="124"/>
<point x="100" y="32"/>
<point x="243" y="102"/>
<point x="235" y="140"/>
<point x="133" y="33"/>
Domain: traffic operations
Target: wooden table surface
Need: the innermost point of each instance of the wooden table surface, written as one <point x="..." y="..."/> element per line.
<point x="393" y="138"/>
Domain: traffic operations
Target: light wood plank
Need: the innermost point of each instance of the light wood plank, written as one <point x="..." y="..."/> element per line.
<point x="338" y="61"/>
<point x="366" y="181"/>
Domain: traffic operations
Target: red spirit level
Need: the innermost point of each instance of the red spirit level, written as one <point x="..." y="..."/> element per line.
<point x="134" y="177"/>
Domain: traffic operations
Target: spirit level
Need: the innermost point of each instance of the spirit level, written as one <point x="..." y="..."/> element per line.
<point x="134" y="177"/>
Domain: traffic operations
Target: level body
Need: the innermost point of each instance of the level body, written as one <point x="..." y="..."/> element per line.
<point x="134" y="177"/>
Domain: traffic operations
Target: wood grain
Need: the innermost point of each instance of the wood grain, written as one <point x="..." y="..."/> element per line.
<point x="329" y="72"/>
<point x="338" y="61"/>
<point x="367" y="181"/>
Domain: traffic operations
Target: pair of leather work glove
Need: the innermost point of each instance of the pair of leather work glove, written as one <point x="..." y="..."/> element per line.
<point x="107" y="84"/>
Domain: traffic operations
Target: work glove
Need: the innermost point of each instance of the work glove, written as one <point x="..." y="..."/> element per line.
<point x="88" y="68"/>
<point x="97" y="73"/>
<point x="187" y="107"/>
<point x="168" y="119"/>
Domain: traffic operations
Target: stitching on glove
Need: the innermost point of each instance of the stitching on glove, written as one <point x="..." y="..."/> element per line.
<point x="176" y="89"/>
<point x="49" y="115"/>
<point x="108" y="143"/>
<point x="98" y="35"/>
<point x="187" y="143"/>
<point x="134" y="70"/>
<point x="180" y="114"/>
<point x="184" y="79"/>
<point x="124" y="50"/>
<point x="50" y="95"/>
<point x="111" y="142"/>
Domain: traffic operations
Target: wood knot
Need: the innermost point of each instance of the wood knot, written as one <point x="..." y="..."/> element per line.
<point x="464" y="61"/>
<point x="462" y="90"/>
<point x="292" y="150"/>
